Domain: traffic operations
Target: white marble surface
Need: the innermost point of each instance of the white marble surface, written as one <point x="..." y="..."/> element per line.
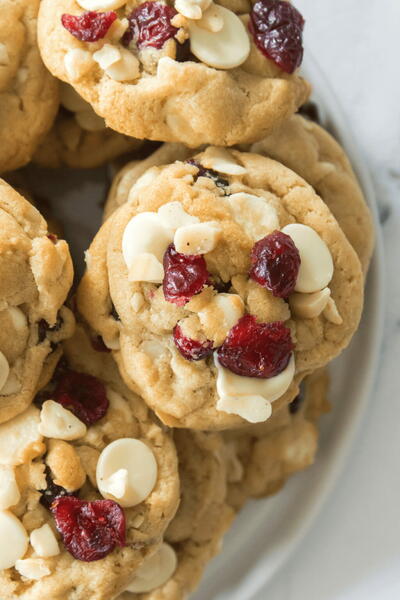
<point x="353" y="549"/>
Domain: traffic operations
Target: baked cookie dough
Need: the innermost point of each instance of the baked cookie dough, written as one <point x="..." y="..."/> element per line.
<point x="35" y="278"/>
<point x="79" y="138"/>
<point x="306" y="148"/>
<point x="28" y="93"/>
<point x="315" y="155"/>
<point x="190" y="73"/>
<point x="54" y="459"/>
<point x="261" y="460"/>
<point x="190" y="345"/>
<point x="194" y="536"/>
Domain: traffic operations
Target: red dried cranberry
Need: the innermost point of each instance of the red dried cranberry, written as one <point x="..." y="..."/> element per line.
<point x="277" y="29"/>
<point x="99" y="345"/>
<point x="189" y="348"/>
<point x="184" y="275"/>
<point x="82" y="394"/>
<point x="150" y="25"/>
<point x="214" y="175"/>
<point x="90" y="26"/>
<point x="52" y="237"/>
<point x="254" y="349"/>
<point x="90" y="530"/>
<point x="275" y="263"/>
<point x="52" y="491"/>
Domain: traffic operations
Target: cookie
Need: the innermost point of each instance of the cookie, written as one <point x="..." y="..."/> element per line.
<point x="55" y="458"/>
<point x="315" y="155"/>
<point x="195" y="346"/>
<point x="35" y="278"/>
<point x="28" y="93"/>
<point x="261" y="460"/>
<point x="185" y="74"/>
<point x="195" y="534"/>
<point x="79" y="138"/>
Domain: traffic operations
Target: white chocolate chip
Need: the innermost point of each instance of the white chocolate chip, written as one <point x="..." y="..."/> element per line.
<point x="226" y="49"/>
<point x="191" y="9"/>
<point x="250" y="397"/>
<point x="4" y="370"/>
<point x="137" y="301"/>
<point x="173" y="216"/>
<point x="107" y="56"/>
<point x="77" y="63"/>
<point x="18" y="318"/>
<point x="146" y="267"/>
<point x="14" y="540"/>
<point x="32" y="568"/>
<point x="152" y="348"/>
<point x="199" y="238"/>
<point x="9" y="492"/>
<point x="220" y="315"/>
<point x="309" y="306"/>
<point x="71" y="100"/>
<point x="145" y="234"/>
<point x="211" y="19"/>
<point x="44" y="542"/>
<point x="101" y="4"/>
<point x="125" y="69"/>
<point x="331" y="313"/>
<point x="137" y="460"/>
<point x="4" y="56"/>
<point x="254" y="214"/>
<point x="155" y="571"/>
<point x="20" y="439"/>
<point x="221" y="160"/>
<point x="89" y="121"/>
<point x="60" y="423"/>
<point x="316" y="268"/>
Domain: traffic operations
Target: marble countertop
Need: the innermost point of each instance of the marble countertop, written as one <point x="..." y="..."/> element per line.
<point x="353" y="549"/>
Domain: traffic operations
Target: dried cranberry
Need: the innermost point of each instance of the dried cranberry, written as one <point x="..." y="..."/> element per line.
<point x="277" y="29"/>
<point x="99" y="345"/>
<point x="82" y="394"/>
<point x="52" y="491"/>
<point x="52" y="237"/>
<point x="184" y="275"/>
<point x="214" y="175"/>
<point x="90" y="530"/>
<point x="150" y="25"/>
<point x="90" y="26"/>
<point x="189" y="348"/>
<point x="254" y="349"/>
<point x="275" y="263"/>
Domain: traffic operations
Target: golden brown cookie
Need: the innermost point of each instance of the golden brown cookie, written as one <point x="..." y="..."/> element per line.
<point x="261" y="459"/>
<point x="217" y="209"/>
<point x="195" y="534"/>
<point x="79" y="138"/>
<point x="139" y="72"/>
<point x="28" y="93"/>
<point x="36" y="276"/>
<point x="68" y="540"/>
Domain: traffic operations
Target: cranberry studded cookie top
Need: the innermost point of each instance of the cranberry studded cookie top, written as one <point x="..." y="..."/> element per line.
<point x="176" y="257"/>
<point x="90" y="26"/>
<point x="150" y="25"/>
<point x="277" y="29"/>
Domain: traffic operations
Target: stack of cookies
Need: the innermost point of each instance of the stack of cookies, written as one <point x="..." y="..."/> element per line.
<point x="186" y="372"/>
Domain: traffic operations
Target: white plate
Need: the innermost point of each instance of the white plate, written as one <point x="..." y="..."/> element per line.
<point x="267" y="531"/>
